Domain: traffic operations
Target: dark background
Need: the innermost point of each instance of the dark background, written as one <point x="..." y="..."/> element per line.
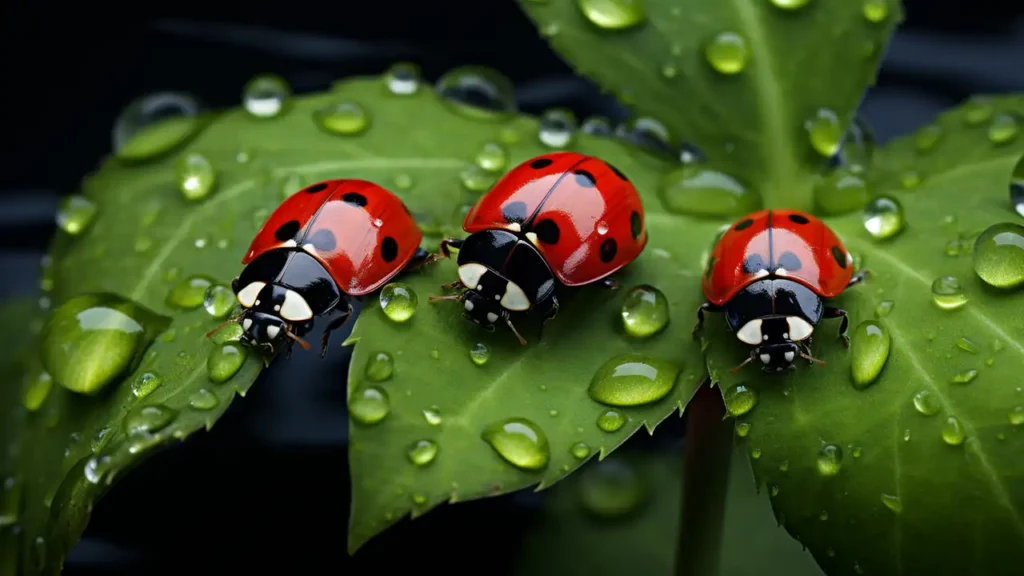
<point x="270" y="482"/>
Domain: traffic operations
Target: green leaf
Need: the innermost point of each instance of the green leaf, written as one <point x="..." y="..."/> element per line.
<point x="905" y="490"/>
<point x="751" y="124"/>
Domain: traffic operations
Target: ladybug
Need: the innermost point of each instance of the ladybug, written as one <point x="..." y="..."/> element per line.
<point x="324" y="246"/>
<point x="558" y="220"/>
<point x="771" y="273"/>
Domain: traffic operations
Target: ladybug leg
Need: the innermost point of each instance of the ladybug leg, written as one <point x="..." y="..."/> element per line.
<point x="447" y="244"/>
<point x="452" y="285"/>
<point x="336" y="323"/>
<point x="859" y="277"/>
<point x="548" y="316"/>
<point x="705" y="307"/>
<point x="421" y="258"/>
<point x="831" y="312"/>
<point x="609" y="283"/>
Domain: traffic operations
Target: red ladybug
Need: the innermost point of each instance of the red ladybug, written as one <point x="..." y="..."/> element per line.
<point x="325" y="245"/>
<point x="561" y="219"/>
<point x="770" y="272"/>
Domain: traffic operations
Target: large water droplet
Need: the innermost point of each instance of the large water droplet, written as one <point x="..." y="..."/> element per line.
<point x="145" y="384"/>
<point x="875" y="10"/>
<point x="611" y="420"/>
<point x="492" y="157"/>
<point x="999" y="255"/>
<point x="37" y="390"/>
<point x="825" y="132"/>
<point x="953" y="431"/>
<point x="927" y="402"/>
<point x="520" y="442"/>
<point x="196" y="176"/>
<point x="579" y="450"/>
<point x="479" y="354"/>
<point x="790" y="4"/>
<point x="644" y="311"/>
<point x="1004" y="128"/>
<point x="947" y="293"/>
<point x="830" y="460"/>
<point x="225" y="361"/>
<point x="380" y="366"/>
<point x="369" y="405"/>
<point x="633" y="380"/>
<point x="203" y="399"/>
<point x="727" y="53"/>
<point x="422" y="452"/>
<point x="883" y="217"/>
<point x="189" y="293"/>
<point x="148" y="419"/>
<point x="696" y="190"/>
<point x="75" y="213"/>
<point x="869" y="351"/>
<point x="740" y="399"/>
<point x="433" y="416"/>
<point x="557" y="128"/>
<point x="841" y="192"/>
<point x="403" y="78"/>
<point x="613" y="14"/>
<point x="611" y="489"/>
<point x="345" y="118"/>
<point x="219" y="301"/>
<point x="1016" y="416"/>
<point x="398" y="301"/>
<point x="154" y="125"/>
<point x="266" y="96"/>
<point x="93" y="339"/>
<point x="477" y="92"/>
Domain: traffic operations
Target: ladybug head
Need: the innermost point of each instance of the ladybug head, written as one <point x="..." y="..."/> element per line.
<point x="269" y="313"/>
<point x="776" y="340"/>
<point x="488" y="298"/>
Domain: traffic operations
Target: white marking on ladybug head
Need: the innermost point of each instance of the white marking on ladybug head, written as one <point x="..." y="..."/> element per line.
<point x="492" y="317"/>
<point x="532" y="237"/>
<point x="468" y="305"/>
<point x="247" y="296"/>
<point x="273" y="331"/>
<point x="789" y="356"/>
<point x="750" y="333"/>
<point x="295" y="307"/>
<point x="247" y="323"/>
<point x="470" y="274"/>
<point x="514" y="226"/>
<point x="761" y="273"/>
<point x="289" y="244"/>
<point x="515" y="298"/>
<point x="766" y="358"/>
<point x="781" y="272"/>
<point x="799" y="329"/>
<point x="309" y="248"/>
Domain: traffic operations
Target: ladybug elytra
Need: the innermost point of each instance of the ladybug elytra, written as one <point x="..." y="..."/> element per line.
<point x="771" y="273"/>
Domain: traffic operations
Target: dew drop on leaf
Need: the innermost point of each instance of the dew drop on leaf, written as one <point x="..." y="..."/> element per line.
<point x="403" y="78"/>
<point x="224" y="361"/>
<point x="37" y="390"/>
<point x="892" y="502"/>
<point x="218" y="301"/>
<point x="858" y="146"/>
<point x="266" y="96"/>
<point x="613" y="14"/>
<point x="611" y="420"/>
<point x="579" y="450"/>
<point x="875" y="11"/>
<point x="492" y="157"/>
<point x="369" y="405"/>
<point x="755" y="453"/>
<point x="977" y="110"/>
<point x="1017" y="196"/>
<point x="884" y="308"/>
<point x="75" y="213"/>
<point x="927" y="403"/>
<point x="1016" y="416"/>
<point x="520" y="442"/>
<point x="148" y="419"/>
<point x="477" y="92"/>
<point x="476" y="179"/>
<point x="203" y="399"/>
<point x="557" y="128"/>
<point x="155" y="124"/>
<point x="611" y="488"/>
<point x="966" y="345"/>
<point x="883" y="217"/>
<point x="743" y="429"/>
<point x="830" y="460"/>
<point x="695" y="190"/>
<point x="999" y="255"/>
<point x="927" y="138"/>
<point x="145" y="384"/>
<point x="690" y="154"/>
<point x="633" y="380"/>
<point x="380" y="366"/>
<point x="596" y="126"/>
<point x="739" y="400"/>
<point x="953" y="248"/>
<point x="422" y="452"/>
<point x="1004" y="128"/>
<point x="965" y="377"/>
<point x="947" y="293"/>
<point x="189" y="293"/>
<point x="433" y="416"/>
<point x="953" y="431"/>
<point x="841" y="192"/>
<point x="479" y="354"/>
<point x="228" y="333"/>
<point x="644" y="311"/>
<point x="345" y="118"/>
<point x="10" y="501"/>
<point x="869" y="352"/>
<point x="727" y="53"/>
<point x="648" y="133"/>
<point x="824" y="132"/>
<point x="790" y="4"/>
<point x="910" y="179"/>
<point x="195" y="176"/>
<point x="398" y="301"/>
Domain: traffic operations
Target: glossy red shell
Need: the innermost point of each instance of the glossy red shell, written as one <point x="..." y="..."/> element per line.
<point x="585" y="214"/>
<point x="361" y="233"/>
<point x="784" y="243"/>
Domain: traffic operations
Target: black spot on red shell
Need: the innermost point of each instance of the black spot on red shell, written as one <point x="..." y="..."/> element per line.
<point x="840" y="256"/>
<point x="323" y="240"/>
<point x="514" y="212"/>
<point x="540" y="163"/>
<point x="354" y="198"/>
<point x="547" y="231"/>
<point x="316" y="188"/>
<point x="743" y="224"/>
<point x="287" y="231"/>
<point x="754" y="263"/>
<point x="798" y="218"/>
<point x="618" y="173"/>
<point x="609" y="248"/>
<point x="790" y="261"/>
<point x="584" y="178"/>
<point x="636" y="225"/>
<point x="389" y="249"/>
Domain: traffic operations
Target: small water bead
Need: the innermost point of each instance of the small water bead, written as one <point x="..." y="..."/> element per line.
<point x="422" y="452"/>
<point x="875" y="11"/>
<point x="75" y="213"/>
<point x="884" y="308"/>
<point x="644" y="311"/>
<point x="611" y="489"/>
<point x="225" y="361"/>
<point x="755" y="453"/>
<point x="479" y="354"/>
<point x="189" y="293"/>
<point x="492" y="157"/>
<point x="695" y="190"/>
<point x="669" y="70"/>
<point x="476" y="179"/>
<point x="739" y="400"/>
<point x="403" y="78"/>
<point x="910" y="179"/>
<point x="892" y="502"/>
<point x="858" y="146"/>
<point x="690" y="154"/>
<point x="143" y="244"/>
<point x="148" y="419"/>
<point x="219" y="301"/>
<point x="883" y="217"/>
<point x="579" y="450"/>
<point x="841" y="192"/>
<point x="419" y="499"/>
<point x="947" y="293"/>
<point x="611" y="420"/>
<point x="648" y="133"/>
<point x="596" y="126"/>
<point x="790" y="4"/>
<point x="927" y="402"/>
<point x="477" y="92"/>
<point x="557" y="128"/>
<point x="369" y="405"/>
<point x="520" y="442"/>
<point x="727" y="53"/>
<point x="10" y="501"/>
<point x="977" y="111"/>
<point x="830" y="460"/>
<point x="155" y="124"/>
<point x="195" y="176"/>
<point x="433" y="416"/>
<point x="203" y="399"/>
<point x="825" y="132"/>
<point x="633" y="380"/>
<point x="1004" y="128"/>
<point x="953" y="431"/>
<point x="927" y="138"/>
<point x="1017" y="196"/>
<point x="999" y="255"/>
<point x="966" y="345"/>
<point x="965" y="377"/>
<point x="1016" y="416"/>
<point x="266" y="96"/>
<point x="743" y="429"/>
<point x="906" y="435"/>
<point x="37" y="390"/>
<point x="398" y="301"/>
<point x="613" y="14"/>
<point x="380" y="366"/>
<point x="201" y="242"/>
<point x="145" y="384"/>
<point x="954" y="248"/>
<point x="345" y="118"/>
<point x="869" y="351"/>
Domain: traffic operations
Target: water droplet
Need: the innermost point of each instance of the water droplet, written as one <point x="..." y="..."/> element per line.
<point x="954" y="247"/>
<point x="37" y="390"/>
<point x="1003" y="129"/>
<point x="892" y="502"/>
<point x="398" y="301"/>
<point x="148" y="419"/>
<point x="433" y="416"/>
<point x="10" y="501"/>
<point x="727" y="53"/>
<point x="947" y="293"/>
<point x="203" y="399"/>
<point x="154" y="125"/>
<point x="927" y="137"/>
<point x="965" y="377"/>
<point x="790" y="4"/>
<point x="190" y="293"/>
<point x="557" y="128"/>
<point x="403" y="78"/>
<point x="1017" y="194"/>
<point x="92" y="339"/>
<point x="611" y="420"/>
<point x="690" y="154"/>
<point x="830" y="460"/>
<point x="869" y="351"/>
<point x="841" y="192"/>
<point x="596" y="126"/>
<point x="266" y="96"/>
<point x="977" y="110"/>
<point x="75" y="213"/>
<point x="825" y="132"/>
<point x="423" y="452"/>
<point x="579" y="450"/>
<point x="633" y="380"/>
<point x="476" y="179"/>
<point x="380" y="366"/>
<point x="858" y="146"/>
<point x="613" y="14"/>
<point x="875" y="11"/>
<point x="755" y="453"/>
<point x="953" y="431"/>
<point x="999" y="255"/>
<point x="743" y="429"/>
<point x="520" y="442"/>
<point x="906" y="435"/>
<point x="966" y="345"/>
<point x="647" y="133"/>
<point x="492" y="157"/>
<point x="1016" y="416"/>
<point x="669" y="70"/>
<point x="644" y="311"/>
<point x="196" y="176"/>
<point x="345" y="118"/>
<point x="927" y="403"/>
<point x="883" y="217"/>
<point x="145" y="384"/>
<point x="696" y="190"/>
<point x="479" y="354"/>
<point x="884" y="308"/>
<point x="369" y="405"/>
<point x="219" y="301"/>
<point x="611" y="488"/>
<point x="739" y="400"/>
<point x="477" y="92"/>
<point x="910" y="179"/>
<point x="225" y="361"/>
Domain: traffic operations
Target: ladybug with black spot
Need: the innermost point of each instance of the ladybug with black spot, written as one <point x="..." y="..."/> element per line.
<point x="771" y="273"/>
<point x="325" y="245"/>
<point x="561" y="219"/>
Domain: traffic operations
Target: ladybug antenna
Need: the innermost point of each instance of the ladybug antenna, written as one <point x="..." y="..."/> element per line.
<point x="810" y="358"/>
<point x="451" y="297"/>
<point x="742" y="364"/>
<point x="303" y="343"/>
<point x="223" y="324"/>
<point x="514" y="331"/>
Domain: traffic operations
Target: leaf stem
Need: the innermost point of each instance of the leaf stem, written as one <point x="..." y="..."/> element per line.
<point x="707" y="458"/>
